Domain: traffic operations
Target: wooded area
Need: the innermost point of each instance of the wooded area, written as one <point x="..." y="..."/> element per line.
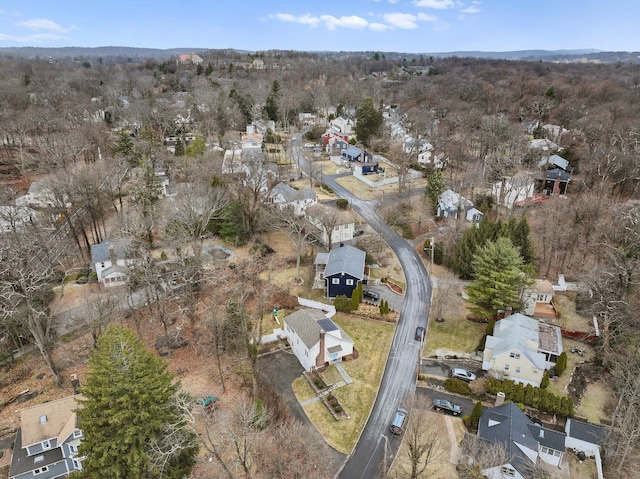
<point x="94" y="133"/>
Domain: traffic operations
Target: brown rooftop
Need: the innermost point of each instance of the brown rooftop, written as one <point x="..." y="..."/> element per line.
<point x="48" y="420"/>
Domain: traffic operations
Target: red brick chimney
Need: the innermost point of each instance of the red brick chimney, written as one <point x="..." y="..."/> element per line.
<point x="320" y="359"/>
<point x="556" y="186"/>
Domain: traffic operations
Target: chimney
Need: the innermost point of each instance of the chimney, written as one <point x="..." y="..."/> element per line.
<point x="500" y="397"/>
<point x="112" y="254"/>
<point x="556" y="186"/>
<point x="320" y="359"/>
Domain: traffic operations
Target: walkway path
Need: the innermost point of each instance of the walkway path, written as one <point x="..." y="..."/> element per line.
<point x="455" y="453"/>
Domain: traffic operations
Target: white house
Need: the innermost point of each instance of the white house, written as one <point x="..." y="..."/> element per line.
<point x="513" y="190"/>
<point x="344" y="224"/>
<point x="111" y="262"/>
<point x="451" y="205"/>
<point x="315" y="339"/>
<point x="521" y="349"/>
<point x="283" y="195"/>
<point x="537" y="300"/>
<point x="38" y="196"/>
<point x="15" y="217"/>
<point x="46" y="444"/>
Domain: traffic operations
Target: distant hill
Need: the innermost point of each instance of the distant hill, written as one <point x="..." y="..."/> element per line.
<point x="133" y="54"/>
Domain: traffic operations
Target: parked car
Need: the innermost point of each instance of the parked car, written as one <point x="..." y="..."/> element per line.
<point x="447" y="406"/>
<point x="463" y="374"/>
<point x="420" y="333"/>
<point x="399" y="421"/>
<point x="367" y="293"/>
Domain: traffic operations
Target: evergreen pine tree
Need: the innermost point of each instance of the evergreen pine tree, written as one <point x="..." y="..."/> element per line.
<point x="127" y="411"/>
<point x="476" y="413"/>
<point x="561" y="364"/>
<point x="498" y="278"/>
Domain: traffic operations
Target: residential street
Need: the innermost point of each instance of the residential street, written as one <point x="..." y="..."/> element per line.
<point x="399" y="379"/>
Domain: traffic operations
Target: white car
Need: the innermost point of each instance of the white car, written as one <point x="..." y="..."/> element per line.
<point x="463" y="374"/>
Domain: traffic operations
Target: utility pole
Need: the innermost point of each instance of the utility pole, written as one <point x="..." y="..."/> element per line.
<point x="433" y="247"/>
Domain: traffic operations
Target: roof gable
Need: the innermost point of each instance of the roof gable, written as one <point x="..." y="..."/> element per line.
<point x="53" y="419"/>
<point x="346" y="259"/>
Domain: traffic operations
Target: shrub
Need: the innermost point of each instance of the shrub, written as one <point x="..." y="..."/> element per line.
<point x="342" y="304"/>
<point x="457" y="386"/>
<point x="561" y="364"/>
<point x="327" y="188"/>
<point x="545" y="380"/>
<point x="475" y="414"/>
<point x="342" y="203"/>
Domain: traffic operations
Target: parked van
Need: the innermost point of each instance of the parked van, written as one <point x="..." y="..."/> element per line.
<point x="399" y="420"/>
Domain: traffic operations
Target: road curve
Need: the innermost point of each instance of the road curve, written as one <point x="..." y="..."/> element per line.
<point x="367" y="460"/>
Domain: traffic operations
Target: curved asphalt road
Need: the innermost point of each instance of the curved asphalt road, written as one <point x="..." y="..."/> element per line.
<point x="399" y="381"/>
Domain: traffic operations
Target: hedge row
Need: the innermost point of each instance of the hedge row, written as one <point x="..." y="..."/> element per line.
<point x="529" y="395"/>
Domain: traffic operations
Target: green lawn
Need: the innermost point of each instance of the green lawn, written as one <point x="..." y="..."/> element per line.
<point x="372" y="340"/>
<point x="455" y="334"/>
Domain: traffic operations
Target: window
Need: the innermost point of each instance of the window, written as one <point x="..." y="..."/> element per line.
<point x="335" y="280"/>
<point x="506" y="367"/>
<point x="349" y="282"/>
<point x="507" y="471"/>
<point x="336" y="228"/>
<point x="549" y="451"/>
<point x="73" y="449"/>
<point x="518" y="369"/>
<point x="41" y="470"/>
<point x="46" y="444"/>
<point x="76" y="465"/>
<point x="515" y="355"/>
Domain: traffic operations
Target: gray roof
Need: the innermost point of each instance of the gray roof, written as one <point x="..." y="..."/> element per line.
<point x="555" y="160"/>
<point x="346" y="259"/>
<point x="512" y="333"/>
<point x="548" y="437"/>
<point x="557" y="172"/>
<point x="307" y="323"/>
<point x="100" y="252"/>
<point x="21" y="463"/>
<point x="585" y="432"/>
<point x="353" y="151"/>
<point x="321" y="258"/>
<point x="508" y="425"/>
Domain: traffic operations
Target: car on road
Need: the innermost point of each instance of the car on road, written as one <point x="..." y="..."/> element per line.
<point x="399" y="421"/>
<point x="463" y="374"/>
<point x="367" y="293"/>
<point x="446" y="406"/>
<point x="420" y="333"/>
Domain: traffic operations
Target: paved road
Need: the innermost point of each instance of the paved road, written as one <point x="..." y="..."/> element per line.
<point x="399" y="379"/>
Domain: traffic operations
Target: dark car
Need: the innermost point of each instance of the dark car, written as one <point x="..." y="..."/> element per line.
<point x="420" y="333"/>
<point x="447" y="406"/>
<point x="367" y="293"/>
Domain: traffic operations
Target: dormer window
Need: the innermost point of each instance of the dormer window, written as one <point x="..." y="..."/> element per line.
<point x="46" y="444"/>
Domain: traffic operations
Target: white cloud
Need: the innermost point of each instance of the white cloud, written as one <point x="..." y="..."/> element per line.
<point x="42" y="24"/>
<point x="379" y="27"/>
<point x="406" y="21"/>
<point x="35" y="38"/>
<point x="352" y="21"/>
<point x="329" y="21"/>
<point x="435" y="4"/>
<point x="303" y="19"/>
<point x="425" y="17"/>
<point x="471" y="9"/>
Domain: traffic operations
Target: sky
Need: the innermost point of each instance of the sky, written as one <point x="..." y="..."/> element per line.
<point x="408" y="26"/>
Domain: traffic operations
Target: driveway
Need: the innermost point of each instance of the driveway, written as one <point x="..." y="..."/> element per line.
<point x="395" y="300"/>
<point x="281" y="369"/>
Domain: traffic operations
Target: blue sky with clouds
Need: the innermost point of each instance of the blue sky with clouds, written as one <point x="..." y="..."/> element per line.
<point x="411" y="26"/>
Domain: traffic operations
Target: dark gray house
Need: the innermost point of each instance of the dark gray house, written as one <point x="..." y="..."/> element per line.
<point x="47" y="442"/>
<point x="344" y="269"/>
<point x="525" y="442"/>
<point x="353" y="153"/>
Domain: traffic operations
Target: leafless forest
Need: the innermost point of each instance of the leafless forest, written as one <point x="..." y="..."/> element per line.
<point x="93" y="131"/>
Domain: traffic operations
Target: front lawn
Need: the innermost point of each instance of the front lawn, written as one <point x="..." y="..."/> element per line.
<point x="372" y="340"/>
